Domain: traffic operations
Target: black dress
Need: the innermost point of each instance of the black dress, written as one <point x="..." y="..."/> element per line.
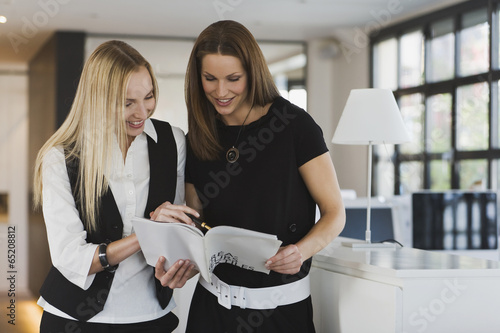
<point x="261" y="191"/>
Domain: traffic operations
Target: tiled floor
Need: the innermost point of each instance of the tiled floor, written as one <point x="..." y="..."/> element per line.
<point x="26" y="316"/>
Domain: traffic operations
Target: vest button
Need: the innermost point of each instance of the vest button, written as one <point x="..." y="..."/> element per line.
<point x="292" y="227"/>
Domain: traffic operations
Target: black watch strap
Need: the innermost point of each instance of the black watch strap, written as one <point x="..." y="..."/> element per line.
<point x="103" y="259"/>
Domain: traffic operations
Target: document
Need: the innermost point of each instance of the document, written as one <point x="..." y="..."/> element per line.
<point x="244" y="248"/>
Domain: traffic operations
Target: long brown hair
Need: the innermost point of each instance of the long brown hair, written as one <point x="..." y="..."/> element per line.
<point x="96" y="118"/>
<point x="224" y="38"/>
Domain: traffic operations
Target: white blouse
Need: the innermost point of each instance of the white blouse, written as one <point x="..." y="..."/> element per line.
<point x="132" y="296"/>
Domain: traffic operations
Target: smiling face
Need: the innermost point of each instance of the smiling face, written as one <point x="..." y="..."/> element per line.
<point x="225" y="84"/>
<point x="140" y="102"/>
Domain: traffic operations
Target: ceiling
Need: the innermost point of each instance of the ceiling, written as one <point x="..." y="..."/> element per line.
<point x="30" y="23"/>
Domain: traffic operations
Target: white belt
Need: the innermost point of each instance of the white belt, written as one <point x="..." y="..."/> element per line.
<point x="258" y="298"/>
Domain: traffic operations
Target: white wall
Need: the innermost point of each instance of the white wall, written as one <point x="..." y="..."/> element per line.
<point x="329" y="81"/>
<point x="14" y="175"/>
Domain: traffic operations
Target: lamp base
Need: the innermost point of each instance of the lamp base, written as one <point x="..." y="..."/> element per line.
<point x="367" y="245"/>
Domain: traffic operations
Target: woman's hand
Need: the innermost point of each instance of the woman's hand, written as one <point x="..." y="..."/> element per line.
<point x="177" y="275"/>
<point x="287" y="260"/>
<point x="168" y="212"/>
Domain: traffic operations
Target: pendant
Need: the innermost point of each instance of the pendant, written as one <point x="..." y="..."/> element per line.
<point x="232" y="155"/>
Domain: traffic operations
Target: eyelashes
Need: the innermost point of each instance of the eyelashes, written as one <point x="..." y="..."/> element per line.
<point x="230" y="79"/>
<point x="148" y="97"/>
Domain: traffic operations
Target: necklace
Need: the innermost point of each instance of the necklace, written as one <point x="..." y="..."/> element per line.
<point x="233" y="153"/>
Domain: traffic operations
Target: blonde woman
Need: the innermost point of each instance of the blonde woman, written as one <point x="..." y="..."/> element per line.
<point x="255" y="161"/>
<point x="107" y="163"/>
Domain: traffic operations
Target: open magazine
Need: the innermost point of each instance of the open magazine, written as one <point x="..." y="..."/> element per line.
<point x="244" y="248"/>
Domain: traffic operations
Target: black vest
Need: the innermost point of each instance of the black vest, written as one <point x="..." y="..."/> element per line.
<point x="84" y="304"/>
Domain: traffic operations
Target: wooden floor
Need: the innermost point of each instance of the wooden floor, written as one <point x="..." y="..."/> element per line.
<point x="27" y="315"/>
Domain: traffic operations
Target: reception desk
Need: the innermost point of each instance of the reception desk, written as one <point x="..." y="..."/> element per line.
<point x="403" y="290"/>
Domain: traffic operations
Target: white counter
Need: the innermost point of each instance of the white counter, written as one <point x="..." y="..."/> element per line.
<point x="403" y="290"/>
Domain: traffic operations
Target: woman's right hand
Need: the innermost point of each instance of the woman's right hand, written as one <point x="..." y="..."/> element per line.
<point x="177" y="275"/>
<point x="168" y="212"/>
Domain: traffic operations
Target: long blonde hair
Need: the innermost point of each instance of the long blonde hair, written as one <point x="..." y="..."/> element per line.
<point x="225" y="38"/>
<point x="96" y="118"/>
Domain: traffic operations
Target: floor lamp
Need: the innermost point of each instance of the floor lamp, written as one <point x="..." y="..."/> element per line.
<point x="370" y="116"/>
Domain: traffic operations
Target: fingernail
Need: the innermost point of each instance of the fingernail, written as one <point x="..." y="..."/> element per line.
<point x="181" y="262"/>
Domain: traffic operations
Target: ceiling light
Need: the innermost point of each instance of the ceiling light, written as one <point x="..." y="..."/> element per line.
<point x="3" y="19"/>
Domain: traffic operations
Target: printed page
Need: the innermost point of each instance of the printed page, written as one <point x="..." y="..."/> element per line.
<point x="241" y="247"/>
<point x="174" y="241"/>
<point x="235" y="231"/>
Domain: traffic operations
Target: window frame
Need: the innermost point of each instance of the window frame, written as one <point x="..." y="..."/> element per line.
<point x="491" y="77"/>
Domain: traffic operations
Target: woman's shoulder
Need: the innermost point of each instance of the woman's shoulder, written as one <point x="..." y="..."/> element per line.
<point x="281" y="103"/>
<point x="288" y="112"/>
<point x="54" y="154"/>
<point x="158" y="124"/>
<point x="54" y="161"/>
<point x="178" y="131"/>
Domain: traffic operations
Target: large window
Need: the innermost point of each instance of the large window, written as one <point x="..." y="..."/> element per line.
<point x="444" y="71"/>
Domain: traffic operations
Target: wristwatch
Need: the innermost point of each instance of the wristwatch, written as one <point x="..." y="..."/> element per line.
<point x="103" y="259"/>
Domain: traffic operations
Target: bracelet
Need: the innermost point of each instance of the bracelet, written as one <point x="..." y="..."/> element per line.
<point x="103" y="259"/>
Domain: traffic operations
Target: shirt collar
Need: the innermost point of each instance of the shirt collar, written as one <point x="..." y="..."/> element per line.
<point x="150" y="130"/>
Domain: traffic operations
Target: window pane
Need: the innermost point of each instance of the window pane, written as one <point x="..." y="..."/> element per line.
<point x="298" y="97"/>
<point x="440" y="175"/>
<point x="384" y="151"/>
<point x="438" y="123"/>
<point x="384" y="178"/>
<point x="495" y="175"/>
<point x="441" y="52"/>
<point x="385" y="64"/>
<point x="472" y="117"/>
<point x="411" y="177"/>
<point x="473" y="174"/>
<point x="412" y="110"/>
<point x="496" y="87"/>
<point x="474" y="46"/>
<point x="411" y="55"/>
<point x="498" y="32"/>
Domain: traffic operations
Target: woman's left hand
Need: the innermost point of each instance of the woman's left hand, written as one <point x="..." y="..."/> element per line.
<point x="287" y="260"/>
<point x="177" y="275"/>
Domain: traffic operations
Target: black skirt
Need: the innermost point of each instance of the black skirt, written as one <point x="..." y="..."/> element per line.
<point x="206" y="315"/>
<point x="55" y="324"/>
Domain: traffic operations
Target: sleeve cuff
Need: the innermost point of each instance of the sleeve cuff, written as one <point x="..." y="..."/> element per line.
<point x="81" y="278"/>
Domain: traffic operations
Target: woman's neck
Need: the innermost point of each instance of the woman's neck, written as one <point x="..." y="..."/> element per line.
<point x="254" y="113"/>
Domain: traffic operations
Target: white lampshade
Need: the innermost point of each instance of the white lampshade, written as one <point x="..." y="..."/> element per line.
<point x="371" y="116"/>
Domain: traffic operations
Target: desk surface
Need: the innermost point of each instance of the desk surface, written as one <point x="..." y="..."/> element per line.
<point x="401" y="262"/>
